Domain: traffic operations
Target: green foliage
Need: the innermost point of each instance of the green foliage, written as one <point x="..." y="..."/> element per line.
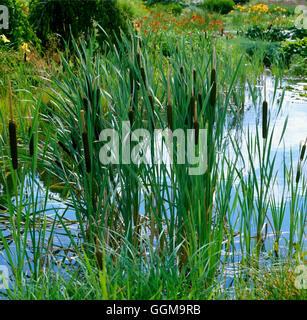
<point x="275" y="33"/>
<point x="297" y="47"/>
<point x="174" y="7"/>
<point x="297" y="66"/>
<point x="75" y="17"/>
<point x="111" y="18"/>
<point x="221" y="6"/>
<point x="19" y="27"/>
<point x="55" y="16"/>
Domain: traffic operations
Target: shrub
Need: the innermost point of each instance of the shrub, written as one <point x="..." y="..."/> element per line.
<point x="221" y="6"/>
<point x="111" y="18"/>
<point x="19" y="26"/>
<point x="275" y="33"/>
<point x="297" y="47"/>
<point x="75" y="17"/>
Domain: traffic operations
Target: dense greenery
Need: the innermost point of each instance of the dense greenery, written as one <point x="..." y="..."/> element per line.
<point x="66" y="18"/>
<point x="221" y="6"/>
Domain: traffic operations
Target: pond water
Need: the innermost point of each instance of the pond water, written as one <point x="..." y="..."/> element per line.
<point x="294" y="110"/>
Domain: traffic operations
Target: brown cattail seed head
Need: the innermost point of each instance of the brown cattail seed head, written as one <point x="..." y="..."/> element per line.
<point x="264" y="119"/>
<point x="151" y="101"/>
<point x="13" y="144"/>
<point x="143" y="75"/>
<point x="298" y="175"/>
<point x="303" y="152"/>
<point x="213" y="88"/>
<point x="192" y="108"/>
<point x="181" y="71"/>
<point x="196" y="128"/>
<point x="31" y="142"/>
<point x="62" y="145"/>
<point x="200" y="101"/>
<point x="170" y="116"/>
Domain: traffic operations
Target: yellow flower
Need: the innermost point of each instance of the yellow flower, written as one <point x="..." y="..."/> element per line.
<point x="4" y="38"/>
<point x="25" y="47"/>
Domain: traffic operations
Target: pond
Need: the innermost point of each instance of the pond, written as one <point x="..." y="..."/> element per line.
<point x="293" y="111"/>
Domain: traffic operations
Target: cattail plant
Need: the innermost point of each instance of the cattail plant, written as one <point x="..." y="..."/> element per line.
<point x="138" y="61"/>
<point x="194" y="81"/>
<point x="85" y="144"/>
<point x="169" y="106"/>
<point x="213" y="82"/>
<point x="151" y="101"/>
<point x="264" y="114"/>
<point x="131" y="117"/>
<point x="74" y="142"/>
<point x="65" y="149"/>
<point x="298" y="173"/>
<point x="181" y="71"/>
<point x="196" y="128"/>
<point x="143" y="75"/>
<point x="12" y="130"/>
<point x="31" y="142"/>
<point x="303" y="151"/>
<point x="200" y="100"/>
<point x="192" y="108"/>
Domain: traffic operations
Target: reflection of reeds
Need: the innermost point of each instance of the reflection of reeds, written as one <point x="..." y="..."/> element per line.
<point x="85" y="144"/>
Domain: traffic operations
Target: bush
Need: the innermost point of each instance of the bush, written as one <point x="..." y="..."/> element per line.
<point x="111" y="18"/>
<point x="19" y="27"/>
<point x="75" y="17"/>
<point x="297" y="47"/>
<point x="275" y="33"/>
<point x="221" y="6"/>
